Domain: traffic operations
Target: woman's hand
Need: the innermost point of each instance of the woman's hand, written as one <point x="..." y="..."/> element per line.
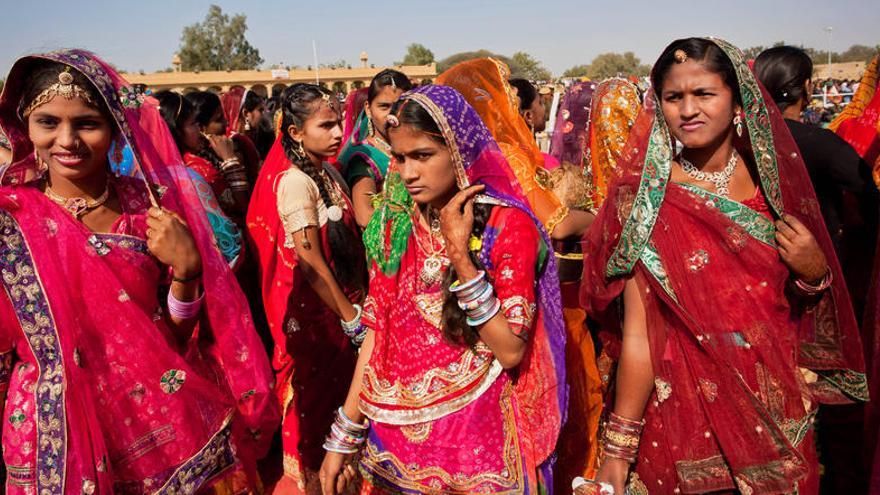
<point x="614" y="471"/>
<point x="221" y="145"/>
<point x="336" y="473"/>
<point x="799" y="250"/>
<point x="170" y="241"/>
<point x="456" y="224"/>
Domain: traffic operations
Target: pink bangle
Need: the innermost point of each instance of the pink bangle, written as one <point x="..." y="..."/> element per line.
<point x="812" y="290"/>
<point x="184" y="310"/>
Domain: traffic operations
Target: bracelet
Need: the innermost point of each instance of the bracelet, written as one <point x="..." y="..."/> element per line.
<point x="813" y="290"/>
<point x="478" y="300"/>
<point x="346" y="436"/>
<point x="186" y="280"/>
<point x="467" y="288"/>
<point x="356" y="321"/>
<point x="621" y="437"/>
<point x="229" y="162"/>
<point x="182" y="309"/>
<point x="488" y="314"/>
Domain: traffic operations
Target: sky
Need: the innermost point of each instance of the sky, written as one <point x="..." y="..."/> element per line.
<point x="144" y="35"/>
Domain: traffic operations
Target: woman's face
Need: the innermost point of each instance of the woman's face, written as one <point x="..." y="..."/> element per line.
<point x="71" y="137"/>
<point x="217" y="124"/>
<point x="698" y="105"/>
<point x="425" y="166"/>
<point x="191" y="134"/>
<point x="380" y="107"/>
<point x="255" y="115"/>
<point x="321" y="134"/>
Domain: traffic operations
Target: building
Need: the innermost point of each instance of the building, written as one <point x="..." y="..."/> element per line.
<point x="267" y="82"/>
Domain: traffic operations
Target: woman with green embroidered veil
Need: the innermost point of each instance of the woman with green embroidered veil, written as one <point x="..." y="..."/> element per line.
<point x="735" y="322"/>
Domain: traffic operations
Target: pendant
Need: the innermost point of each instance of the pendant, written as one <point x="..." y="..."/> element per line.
<point x="334" y="213"/>
<point x="76" y="206"/>
<point x="432" y="270"/>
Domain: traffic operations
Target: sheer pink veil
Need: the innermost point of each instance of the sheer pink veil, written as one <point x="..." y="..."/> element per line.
<point x="226" y="334"/>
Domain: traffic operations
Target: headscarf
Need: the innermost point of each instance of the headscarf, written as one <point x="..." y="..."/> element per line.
<point x="859" y="123"/>
<point x="615" y="107"/>
<point x="570" y="140"/>
<point x="483" y="83"/>
<point x="354" y="105"/>
<point x="232" y="102"/>
<point x="478" y="160"/>
<point x="226" y="333"/>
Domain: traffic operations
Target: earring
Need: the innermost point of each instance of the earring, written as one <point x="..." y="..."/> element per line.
<point x="737" y="121"/>
<point x="247" y="123"/>
<point x="370" y="130"/>
<point x="299" y="151"/>
<point x="42" y="166"/>
<point x="118" y="157"/>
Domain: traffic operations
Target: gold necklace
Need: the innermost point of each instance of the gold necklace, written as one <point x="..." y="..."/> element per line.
<point x="77" y="205"/>
<point x="434" y="262"/>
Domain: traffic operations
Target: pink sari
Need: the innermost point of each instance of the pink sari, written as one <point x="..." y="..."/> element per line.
<point x="78" y="323"/>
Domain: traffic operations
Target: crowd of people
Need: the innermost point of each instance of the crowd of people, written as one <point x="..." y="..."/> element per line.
<point x="402" y="293"/>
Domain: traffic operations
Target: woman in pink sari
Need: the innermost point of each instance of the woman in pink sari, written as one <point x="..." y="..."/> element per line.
<point x="109" y="388"/>
<point x="458" y="401"/>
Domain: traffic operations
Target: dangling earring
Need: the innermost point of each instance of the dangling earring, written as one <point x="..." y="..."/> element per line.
<point x="370" y="130"/>
<point x="118" y="157"/>
<point x="42" y="167"/>
<point x="737" y="121"/>
<point x="247" y="123"/>
<point x="299" y="151"/>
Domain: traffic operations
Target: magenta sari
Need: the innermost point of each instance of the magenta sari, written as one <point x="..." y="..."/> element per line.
<point x="101" y="397"/>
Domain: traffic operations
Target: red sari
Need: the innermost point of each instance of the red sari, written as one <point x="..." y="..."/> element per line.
<point x="740" y="363"/>
<point x="313" y="359"/>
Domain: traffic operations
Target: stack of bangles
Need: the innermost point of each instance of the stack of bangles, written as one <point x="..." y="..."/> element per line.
<point x="620" y="438"/>
<point x="184" y="310"/>
<point x="354" y="329"/>
<point x="477" y="299"/>
<point x="814" y="290"/>
<point x="346" y="436"/>
<point x="234" y="173"/>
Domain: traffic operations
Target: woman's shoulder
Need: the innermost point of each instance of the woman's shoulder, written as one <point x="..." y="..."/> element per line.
<point x="514" y="222"/>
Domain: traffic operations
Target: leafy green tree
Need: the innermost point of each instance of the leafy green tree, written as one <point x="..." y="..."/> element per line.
<point x="530" y="68"/>
<point x="417" y="54"/>
<point x="515" y="69"/>
<point x="577" y="71"/>
<point x="616" y="64"/>
<point x="218" y="43"/>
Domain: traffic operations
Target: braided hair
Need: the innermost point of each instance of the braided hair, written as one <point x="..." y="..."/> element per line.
<point x="455" y="327"/>
<point x="298" y="104"/>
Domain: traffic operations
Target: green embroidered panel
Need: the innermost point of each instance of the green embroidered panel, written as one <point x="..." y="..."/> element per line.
<point x="755" y="224"/>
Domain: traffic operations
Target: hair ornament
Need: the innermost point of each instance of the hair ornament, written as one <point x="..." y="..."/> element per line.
<point x="65" y="88"/>
<point x="680" y="56"/>
<point x="393" y="121"/>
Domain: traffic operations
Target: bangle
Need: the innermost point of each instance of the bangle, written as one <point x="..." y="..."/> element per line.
<point x="813" y="290"/>
<point x="467" y="288"/>
<point x="621" y="437"/>
<point x="475" y="320"/>
<point x="186" y="280"/>
<point x="346" y="436"/>
<point x="184" y="310"/>
<point x="478" y="300"/>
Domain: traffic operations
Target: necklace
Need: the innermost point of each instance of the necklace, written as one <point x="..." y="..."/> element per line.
<point x="434" y="263"/>
<point x="721" y="179"/>
<point x="78" y="206"/>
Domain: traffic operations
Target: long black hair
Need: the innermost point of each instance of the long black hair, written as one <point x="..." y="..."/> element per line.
<point x="784" y="70"/>
<point x="205" y="105"/>
<point x="388" y="77"/>
<point x="526" y="92"/>
<point x="174" y="109"/>
<point x="455" y="327"/>
<point x="700" y="50"/>
<point x="298" y="104"/>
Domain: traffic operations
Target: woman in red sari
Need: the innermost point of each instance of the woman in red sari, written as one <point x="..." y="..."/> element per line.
<point x="244" y="110"/>
<point x="736" y="321"/>
<point x="313" y="275"/>
<point x="129" y="364"/>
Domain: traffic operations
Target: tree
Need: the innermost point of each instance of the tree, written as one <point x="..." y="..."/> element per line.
<point x="417" y="54"/>
<point x="616" y="64"/>
<point x="858" y="53"/>
<point x="339" y="64"/>
<point x="218" y="43"/>
<point x="577" y="71"/>
<point x="530" y="68"/>
<point x="515" y="69"/>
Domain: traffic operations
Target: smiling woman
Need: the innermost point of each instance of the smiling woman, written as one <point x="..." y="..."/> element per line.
<point x="95" y="280"/>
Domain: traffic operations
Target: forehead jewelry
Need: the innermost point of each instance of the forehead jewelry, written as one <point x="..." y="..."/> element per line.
<point x="393" y="82"/>
<point x="680" y="56"/>
<point x="64" y="88"/>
